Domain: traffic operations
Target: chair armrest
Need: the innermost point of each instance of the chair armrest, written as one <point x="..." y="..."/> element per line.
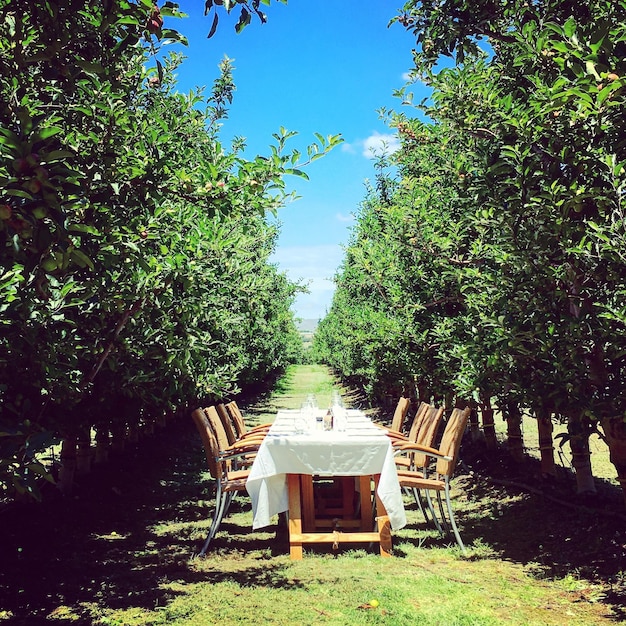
<point x="415" y="447"/>
<point x="239" y="449"/>
<point x="389" y="431"/>
<point x="398" y="439"/>
<point x="394" y="433"/>
<point x="257" y="428"/>
<point x="250" y="438"/>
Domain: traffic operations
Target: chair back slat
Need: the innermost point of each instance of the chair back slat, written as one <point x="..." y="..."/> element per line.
<point x="399" y="415"/>
<point x="451" y="440"/>
<point x="218" y="428"/>
<point x="237" y="418"/>
<point x="227" y="423"/>
<point x="427" y="433"/>
<point x="208" y="440"/>
<point x="418" y="420"/>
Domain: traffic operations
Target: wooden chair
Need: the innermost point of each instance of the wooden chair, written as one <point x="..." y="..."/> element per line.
<point x="399" y="415"/>
<point x="218" y="428"/>
<point x="227" y="423"/>
<point x="236" y="417"/>
<point x="423" y="432"/>
<point x="222" y="467"/>
<point x="224" y="432"/>
<point x="446" y="458"/>
<point x="399" y="435"/>
<point x="241" y="429"/>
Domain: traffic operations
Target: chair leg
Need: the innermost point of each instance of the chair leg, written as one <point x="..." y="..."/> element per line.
<point x="422" y="507"/>
<point x="444" y="519"/>
<point x="452" y="521"/>
<point x="217" y="518"/>
<point x="418" y="500"/>
<point x="431" y="508"/>
<point x="226" y="502"/>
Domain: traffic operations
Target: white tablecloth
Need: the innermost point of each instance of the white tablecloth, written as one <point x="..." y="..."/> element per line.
<point x="361" y="450"/>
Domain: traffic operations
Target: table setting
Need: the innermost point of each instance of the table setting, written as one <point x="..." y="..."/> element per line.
<point x="313" y="442"/>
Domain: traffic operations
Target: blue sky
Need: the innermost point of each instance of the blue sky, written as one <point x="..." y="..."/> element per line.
<point x="315" y="66"/>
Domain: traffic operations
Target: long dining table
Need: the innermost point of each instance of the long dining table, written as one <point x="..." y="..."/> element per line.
<point x="295" y="453"/>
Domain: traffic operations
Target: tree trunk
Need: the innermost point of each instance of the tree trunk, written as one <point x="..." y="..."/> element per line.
<point x="474" y="426"/>
<point x="423" y="393"/>
<point x="448" y="401"/>
<point x="83" y="454"/>
<point x="133" y="433"/>
<point x="489" y="425"/>
<point x="515" y="441"/>
<point x="546" y="445"/>
<point x="102" y="445"/>
<point x="118" y="437"/>
<point x="68" y="466"/>
<point x="581" y="455"/>
<point x="615" y="433"/>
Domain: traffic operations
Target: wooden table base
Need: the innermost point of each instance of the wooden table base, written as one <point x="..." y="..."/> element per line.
<point x="302" y="513"/>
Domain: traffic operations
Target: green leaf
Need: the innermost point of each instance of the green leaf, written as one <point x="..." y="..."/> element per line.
<point x="18" y="193"/>
<point x="128" y="19"/>
<point x="244" y="20"/>
<point x="92" y="68"/>
<point x="83" y="228"/>
<point x="590" y="66"/>
<point x="173" y="35"/>
<point x="213" y="26"/>
<point x="297" y="172"/>
<point x="569" y="28"/>
<point x="81" y="259"/>
<point x="56" y="155"/>
<point x="45" y="133"/>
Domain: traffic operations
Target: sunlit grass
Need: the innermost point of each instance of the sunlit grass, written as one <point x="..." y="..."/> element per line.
<point x="431" y="586"/>
<point x="523" y="564"/>
<point x="292" y="390"/>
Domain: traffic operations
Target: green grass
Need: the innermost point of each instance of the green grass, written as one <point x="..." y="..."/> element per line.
<point x="327" y="590"/>
<point x="292" y="390"/>
<point x="426" y="586"/>
<point x="122" y="550"/>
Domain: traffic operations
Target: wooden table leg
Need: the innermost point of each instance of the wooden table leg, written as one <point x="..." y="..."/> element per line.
<point x="382" y="520"/>
<point x="307" y="503"/>
<point x="302" y="506"/>
<point x="295" y="517"/>
<point x="365" y="493"/>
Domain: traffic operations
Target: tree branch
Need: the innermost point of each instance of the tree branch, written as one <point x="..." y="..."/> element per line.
<point x="118" y="329"/>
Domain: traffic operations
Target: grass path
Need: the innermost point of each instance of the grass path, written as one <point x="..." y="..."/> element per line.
<point x="121" y="552"/>
<point x="293" y="388"/>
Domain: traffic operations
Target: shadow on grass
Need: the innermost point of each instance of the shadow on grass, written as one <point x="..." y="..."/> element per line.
<point x="129" y="529"/>
<point x="133" y="527"/>
<point x="547" y="528"/>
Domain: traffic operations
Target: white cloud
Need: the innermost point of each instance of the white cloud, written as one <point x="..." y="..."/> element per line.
<point x="340" y="217"/>
<point x="316" y="267"/>
<point x="379" y="144"/>
<point x="412" y="76"/>
<point x="375" y="145"/>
